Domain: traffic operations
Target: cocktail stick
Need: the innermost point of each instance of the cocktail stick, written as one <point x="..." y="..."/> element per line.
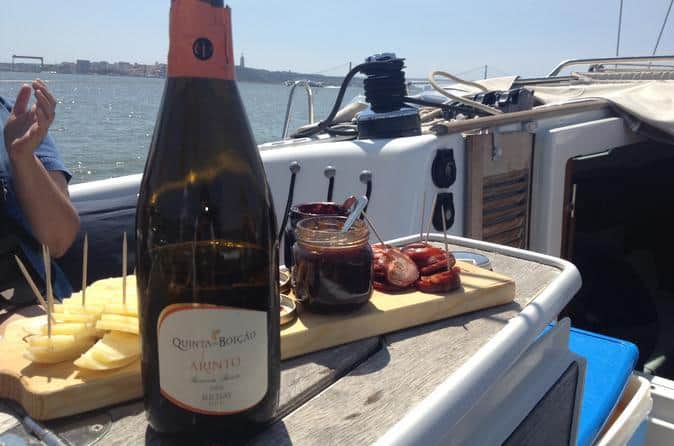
<point x="444" y="236"/>
<point x="33" y="287"/>
<point x="46" y="258"/>
<point x="124" y="257"/>
<point x="423" y="217"/>
<point x="430" y="217"/>
<point x="376" y="234"/>
<point x="85" y="260"/>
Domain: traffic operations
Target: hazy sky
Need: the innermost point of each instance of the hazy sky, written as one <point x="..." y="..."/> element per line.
<point x="514" y="37"/>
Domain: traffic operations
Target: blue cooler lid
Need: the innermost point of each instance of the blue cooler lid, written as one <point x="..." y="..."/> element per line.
<point x="610" y="363"/>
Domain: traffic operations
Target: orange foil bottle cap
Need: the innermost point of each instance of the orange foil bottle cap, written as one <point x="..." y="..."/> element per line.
<point x="200" y="34"/>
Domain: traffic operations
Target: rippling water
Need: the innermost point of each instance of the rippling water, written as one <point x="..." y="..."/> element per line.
<point x="104" y="124"/>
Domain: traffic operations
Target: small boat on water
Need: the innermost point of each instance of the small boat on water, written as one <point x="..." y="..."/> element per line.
<point x="575" y="166"/>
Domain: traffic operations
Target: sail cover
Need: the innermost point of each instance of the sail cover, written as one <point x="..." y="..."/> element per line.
<point x="647" y="106"/>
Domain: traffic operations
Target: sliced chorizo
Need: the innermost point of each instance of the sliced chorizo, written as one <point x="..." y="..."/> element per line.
<point x="401" y="271"/>
<point x="441" y="282"/>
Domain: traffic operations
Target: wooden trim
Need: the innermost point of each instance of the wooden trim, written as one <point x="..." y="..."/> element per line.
<point x="509" y="225"/>
<point x="511" y="238"/>
<point x="513" y="176"/>
<point x="494" y="216"/>
<point x="486" y="122"/>
<point x="498" y="190"/>
<point x="476" y="146"/>
<point x="491" y="192"/>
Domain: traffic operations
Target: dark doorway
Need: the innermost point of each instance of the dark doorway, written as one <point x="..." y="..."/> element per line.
<point x="620" y="235"/>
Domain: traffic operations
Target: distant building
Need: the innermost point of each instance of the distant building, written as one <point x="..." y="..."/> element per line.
<point x="66" y="67"/>
<point x="242" y="62"/>
<point x="100" y="67"/>
<point x="122" y="67"/>
<point x="83" y="66"/>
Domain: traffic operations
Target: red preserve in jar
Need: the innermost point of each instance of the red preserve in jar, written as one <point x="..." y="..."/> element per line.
<point x="333" y="270"/>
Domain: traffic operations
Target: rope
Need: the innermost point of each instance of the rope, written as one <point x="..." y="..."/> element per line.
<point x="469" y="102"/>
<point x="663" y="26"/>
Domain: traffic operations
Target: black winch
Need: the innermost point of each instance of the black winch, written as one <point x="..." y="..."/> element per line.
<point x="385" y="90"/>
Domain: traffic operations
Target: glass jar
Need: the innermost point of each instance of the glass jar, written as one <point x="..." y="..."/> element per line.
<point x="300" y="212"/>
<point x="333" y="270"/>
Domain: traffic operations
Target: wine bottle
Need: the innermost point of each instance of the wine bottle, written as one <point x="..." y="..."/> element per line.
<point x="207" y="255"/>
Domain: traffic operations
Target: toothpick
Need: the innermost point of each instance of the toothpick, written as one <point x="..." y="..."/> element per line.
<point x="50" y="293"/>
<point x="124" y="270"/>
<point x="430" y="217"/>
<point x="444" y="236"/>
<point x="423" y="217"/>
<point x="369" y="222"/>
<point x="85" y="260"/>
<point x="33" y="287"/>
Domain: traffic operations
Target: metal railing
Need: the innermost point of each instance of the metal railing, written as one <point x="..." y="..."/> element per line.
<point x="643" y="61"/>
<point x="310" y="105"/>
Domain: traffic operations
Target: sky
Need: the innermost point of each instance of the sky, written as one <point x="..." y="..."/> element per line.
<point x="522" y="37"/>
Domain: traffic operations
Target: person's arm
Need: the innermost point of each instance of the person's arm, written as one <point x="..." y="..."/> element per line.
<point x="43" y="195"/>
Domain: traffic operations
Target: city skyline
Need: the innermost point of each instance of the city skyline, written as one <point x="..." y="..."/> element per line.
<point x="516" y="37"/>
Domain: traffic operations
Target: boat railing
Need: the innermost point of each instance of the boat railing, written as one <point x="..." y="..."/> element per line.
<point x="310" y="104"/>
<point x="649" y="61"/>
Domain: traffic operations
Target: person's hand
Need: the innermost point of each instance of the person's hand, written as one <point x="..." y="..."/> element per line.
<point x="26" y="127"/>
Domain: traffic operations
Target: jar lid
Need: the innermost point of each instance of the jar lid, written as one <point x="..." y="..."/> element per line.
<point x="471" y="257"/>
<point x="284" y="279"/>
<point x="288" y="309"/>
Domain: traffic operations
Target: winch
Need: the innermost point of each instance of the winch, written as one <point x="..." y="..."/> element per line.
<point x="385" y="90"/>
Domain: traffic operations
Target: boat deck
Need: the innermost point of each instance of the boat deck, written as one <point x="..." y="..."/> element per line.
<point x="351" y="394"/>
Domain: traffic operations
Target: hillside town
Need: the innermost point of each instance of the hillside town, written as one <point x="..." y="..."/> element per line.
<point x="35" y="64"/>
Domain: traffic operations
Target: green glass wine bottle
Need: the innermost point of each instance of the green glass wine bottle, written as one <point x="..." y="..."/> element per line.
<point x="207" y="256"/>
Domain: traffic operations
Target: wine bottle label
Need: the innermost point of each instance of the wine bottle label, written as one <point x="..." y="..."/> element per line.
<point x="212" y="359"/>
<point x="200" y="40"/>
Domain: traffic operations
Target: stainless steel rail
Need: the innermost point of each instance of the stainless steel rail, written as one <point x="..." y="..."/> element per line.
<point x="310" y="105"/>
<point x="642" y="60"/>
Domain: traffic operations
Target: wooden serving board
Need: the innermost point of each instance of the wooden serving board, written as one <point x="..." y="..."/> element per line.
<point x="57" y="390"/>
<point x="385" y="312"/>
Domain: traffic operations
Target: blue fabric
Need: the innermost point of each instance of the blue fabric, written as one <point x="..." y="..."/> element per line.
<point x="52" y="161"/>
<point x="610" y="363"/>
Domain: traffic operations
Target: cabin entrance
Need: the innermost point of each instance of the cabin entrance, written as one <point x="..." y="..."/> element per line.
<point x="619" y="232"/>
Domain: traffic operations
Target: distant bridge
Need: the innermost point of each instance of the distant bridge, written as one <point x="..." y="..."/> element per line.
<point x="15" y="57"/>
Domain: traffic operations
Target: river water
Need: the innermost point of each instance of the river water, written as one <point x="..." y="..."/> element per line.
<point x="104" y="124"/>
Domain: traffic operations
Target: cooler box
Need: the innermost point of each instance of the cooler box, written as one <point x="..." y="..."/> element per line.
<point x="628" y="423"/>
<point x="610" y="363"/>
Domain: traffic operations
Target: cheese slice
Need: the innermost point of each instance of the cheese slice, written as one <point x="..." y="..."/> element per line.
<point x="87" y="361"/>
<point x="116" y="322"/>
<point x="78" y="329"/>
<point x="116" y="346"/>
<point x="57" y="348"/>
<point x="121" y="309"/>
<point x="116" y="349"/>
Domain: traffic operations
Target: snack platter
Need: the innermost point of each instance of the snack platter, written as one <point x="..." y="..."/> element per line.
<point x="54" y="390"/>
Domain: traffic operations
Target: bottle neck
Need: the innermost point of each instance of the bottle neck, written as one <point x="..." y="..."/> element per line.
<point x="200" y="37"/>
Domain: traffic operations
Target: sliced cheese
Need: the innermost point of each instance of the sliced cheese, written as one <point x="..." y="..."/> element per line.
<point x="118" y="322"/>
<point x="87" y="361"/>
<point x="121" y="309"/>
<point x="80" y="329"/>
<point x="76" y="317"/>
<point x="115" y="347"/>
<point x="57" y="348"/>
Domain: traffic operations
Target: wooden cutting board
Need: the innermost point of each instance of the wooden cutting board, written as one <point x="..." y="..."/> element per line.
<point x="57" y="390"/>
<point x="390" y="312"/>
